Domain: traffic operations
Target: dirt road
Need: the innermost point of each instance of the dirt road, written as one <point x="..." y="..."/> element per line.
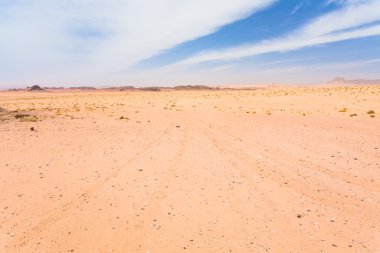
<point x="270" y="170"/>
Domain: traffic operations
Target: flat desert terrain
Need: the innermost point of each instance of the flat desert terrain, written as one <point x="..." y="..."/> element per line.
<point x="265" y="170"/>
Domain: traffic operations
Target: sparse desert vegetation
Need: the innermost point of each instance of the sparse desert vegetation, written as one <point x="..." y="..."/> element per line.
<point x="195" y="170"/>
<point x="371" y="113"/>
<point x="343" y="110"/>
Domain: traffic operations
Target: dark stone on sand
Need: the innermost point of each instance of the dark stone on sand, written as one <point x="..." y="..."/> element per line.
<point x="20" y="116"/>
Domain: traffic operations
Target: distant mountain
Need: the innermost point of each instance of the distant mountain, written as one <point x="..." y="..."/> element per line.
<point x="35" y="88"/>
<point x="150" y="88"/>
<point x="125" y="88"/>
<point x="343" y="81"/>
<point x="82" y="88"/>
<point x="193" y="87"/>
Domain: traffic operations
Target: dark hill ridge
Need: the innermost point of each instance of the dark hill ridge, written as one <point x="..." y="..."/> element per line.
<point x="35" y="88"/>
<point x="150" y="88"/>
<point x="121" y="88"/>
<point x="82" y="88"/>
<point x="193" y="87"/>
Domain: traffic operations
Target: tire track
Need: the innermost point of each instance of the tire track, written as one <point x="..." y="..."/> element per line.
<point x="142" y="236"/>
<point x="282" y="160"/>
<point x="66" y="208"/>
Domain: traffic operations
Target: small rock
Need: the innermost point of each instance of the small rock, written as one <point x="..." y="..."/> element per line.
<point x="32" y="129"/>
<point x="20" y="116"/>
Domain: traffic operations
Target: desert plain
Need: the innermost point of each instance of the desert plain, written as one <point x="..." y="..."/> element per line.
<point x="281" y="169"/>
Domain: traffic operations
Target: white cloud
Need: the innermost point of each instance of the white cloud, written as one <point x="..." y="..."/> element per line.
<point x="279" y="45"/>
<point x="343" y="24"/>
<point x="297" y="8"/>
<point x="223" y="67"/>
<point x="355" y="14"/>
<point x="78" y="38"/>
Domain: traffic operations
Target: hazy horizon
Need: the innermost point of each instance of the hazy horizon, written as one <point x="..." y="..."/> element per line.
<point x="167" y="43"/>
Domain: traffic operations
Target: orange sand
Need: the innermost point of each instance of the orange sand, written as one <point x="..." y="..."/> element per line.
<point x="268" y="170"/>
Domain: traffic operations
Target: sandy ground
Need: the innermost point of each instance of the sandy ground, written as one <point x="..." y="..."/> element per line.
<point x="269" y="170"/>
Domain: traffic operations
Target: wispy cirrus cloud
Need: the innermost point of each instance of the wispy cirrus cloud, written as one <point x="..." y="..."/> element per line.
<point x="297" y="8"/>
<point x="354" y="20"/>
<point x="74" y="39"/>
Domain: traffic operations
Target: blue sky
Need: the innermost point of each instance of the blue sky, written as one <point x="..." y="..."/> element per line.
<point x="170" y="42"/>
